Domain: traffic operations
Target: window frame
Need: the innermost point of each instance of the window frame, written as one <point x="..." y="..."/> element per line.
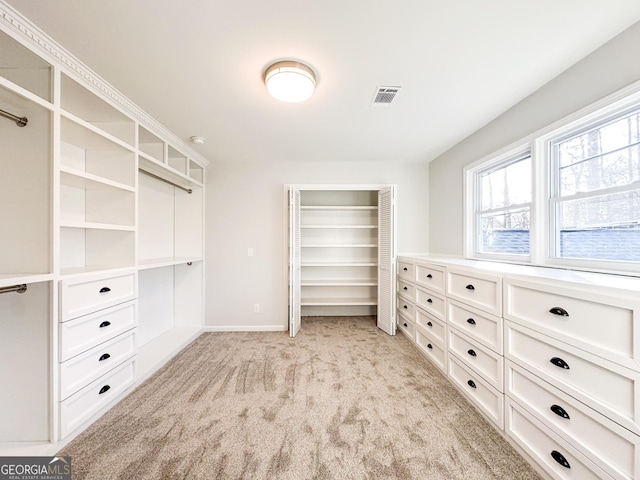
<point x="542" y="251"/>
<point x="472" y="177"/>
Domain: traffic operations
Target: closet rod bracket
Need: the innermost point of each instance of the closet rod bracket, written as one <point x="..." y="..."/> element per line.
<point x="20" y="121"/>
<point x="15" y="288"/>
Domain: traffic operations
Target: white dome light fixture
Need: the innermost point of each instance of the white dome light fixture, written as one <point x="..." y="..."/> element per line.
<point x="290" y="81"/>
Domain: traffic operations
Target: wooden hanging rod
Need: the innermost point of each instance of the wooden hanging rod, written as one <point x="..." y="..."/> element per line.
<point x="188" y="190"/>
<point x="15" y="288"/>
<point x="20" y="121"/>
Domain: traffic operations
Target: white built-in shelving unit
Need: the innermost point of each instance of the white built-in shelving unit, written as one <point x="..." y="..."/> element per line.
<point x="101" y="271"/>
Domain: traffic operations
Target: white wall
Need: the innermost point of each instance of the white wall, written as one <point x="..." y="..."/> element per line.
<point x="606" y="70"/>
<point x="245" y="207"/>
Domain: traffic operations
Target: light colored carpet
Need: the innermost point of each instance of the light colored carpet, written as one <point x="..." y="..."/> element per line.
<point x="342" y="400"/>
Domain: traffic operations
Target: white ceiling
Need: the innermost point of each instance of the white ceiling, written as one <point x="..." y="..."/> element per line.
<point x="197" y="66"/>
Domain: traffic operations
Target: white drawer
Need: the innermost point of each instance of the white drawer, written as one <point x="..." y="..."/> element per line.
<point x="482" y="360"/>
<point x="80" y="296"/>
<point x="432" y="349"/>
<point x="407" y="326"/>
<point x="431" y="324"/>
<point x="484" y="396"/>
<point x="605" y="386"/>
<point x="81" y="406"/>
<point x="547" y="448"/>
<point x="599" y="324"/>
<point x="83" y="369"/>
<point x="430" y="276"/>
<point x="406" y="307"/>
<point x="614" y="448"/>
<point x="431" y="302"/>
<point x="406" y="270"/>
<point x="483" y="327"/>
<point x="81" y="334"/>
<point x="406" y="289"/>
<point x="483" y="291"/>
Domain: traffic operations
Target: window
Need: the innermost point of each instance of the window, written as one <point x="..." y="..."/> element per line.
<point x="504" y="206"/>
<point x="568" y="195"/>
<point x="595" y="197"/>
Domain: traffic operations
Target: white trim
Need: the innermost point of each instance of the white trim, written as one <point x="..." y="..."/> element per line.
<point x="516" y="151"/>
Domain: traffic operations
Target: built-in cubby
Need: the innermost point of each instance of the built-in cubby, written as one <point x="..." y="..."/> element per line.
<point x="24" y="69"/>
<point x="170" y="300"/>
<point x="81" y="103"/>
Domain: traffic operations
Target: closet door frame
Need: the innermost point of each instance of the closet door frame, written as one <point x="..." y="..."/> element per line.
<point x="293" y="254"/>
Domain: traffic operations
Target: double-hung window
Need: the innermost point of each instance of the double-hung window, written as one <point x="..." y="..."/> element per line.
<point x="565" y="196"/>
<point x="595" y="191"/>
<point x="502" y="222"/>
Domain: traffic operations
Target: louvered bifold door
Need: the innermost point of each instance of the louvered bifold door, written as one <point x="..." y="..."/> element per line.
<point x="386" y="260"/>
<point x="294" y="262"/>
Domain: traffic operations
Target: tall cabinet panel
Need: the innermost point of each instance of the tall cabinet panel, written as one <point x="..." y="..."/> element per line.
<point x="101" y="276"/>
<point x="337" y="250"/>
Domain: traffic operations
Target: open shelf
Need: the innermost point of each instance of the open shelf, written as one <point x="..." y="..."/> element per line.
<point x="21" y="66"/>
<point x="365" y="282"/>
<point x="20" y="278"/>
<point x="166" y="262"/>
<point x="87" y="181"/>
<point x="307" y="302"/>
<point x="85" y="105"/>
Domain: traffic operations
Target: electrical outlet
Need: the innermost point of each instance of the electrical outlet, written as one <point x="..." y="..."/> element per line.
<point x="250" y="252"/>
<point x="256" y="308"/>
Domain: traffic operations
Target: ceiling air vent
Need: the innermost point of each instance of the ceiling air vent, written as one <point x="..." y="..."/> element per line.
<point x="384" y="96"/>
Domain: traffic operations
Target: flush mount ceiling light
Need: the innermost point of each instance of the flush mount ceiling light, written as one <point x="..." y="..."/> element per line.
<point x="290" y="81"/>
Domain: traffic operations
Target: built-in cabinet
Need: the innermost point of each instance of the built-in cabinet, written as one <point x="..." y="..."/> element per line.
<point x="101" y="276"/>
<point x="550" y="357"/>
<point x="341" y="244"/>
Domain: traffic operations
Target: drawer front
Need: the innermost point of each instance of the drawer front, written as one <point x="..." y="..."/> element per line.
<point x="481" y="291"/>
<point x="406" y="289"/>
<point x="606" y="443"/>
<point x="432" y="349"/>
<point x="83" y="296"/>
<point x="483" y="327"/>
<point x="598" y="324"/>
<point x="431" y="324"/>
<point x="406" y="308"/>
<point x="407" y="327"/>
<point x="81" y="334"/>
<point x="81" y="406"/>
<point x="604" y="386"/>
<point x="541" y="443"/>
<point x="83" y="369"/>
<point x="430" y="276"/>
<point x="431" y="302"/>
<point x="485" y="362"/>
<point x="483" y="395"/>
<point x="406" y="270"/>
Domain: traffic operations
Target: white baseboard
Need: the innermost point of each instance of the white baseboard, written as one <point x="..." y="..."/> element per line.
<point x="245" y="328"/>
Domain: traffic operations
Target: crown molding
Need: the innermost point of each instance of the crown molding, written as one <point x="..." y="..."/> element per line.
<point x="24" y="31"/>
